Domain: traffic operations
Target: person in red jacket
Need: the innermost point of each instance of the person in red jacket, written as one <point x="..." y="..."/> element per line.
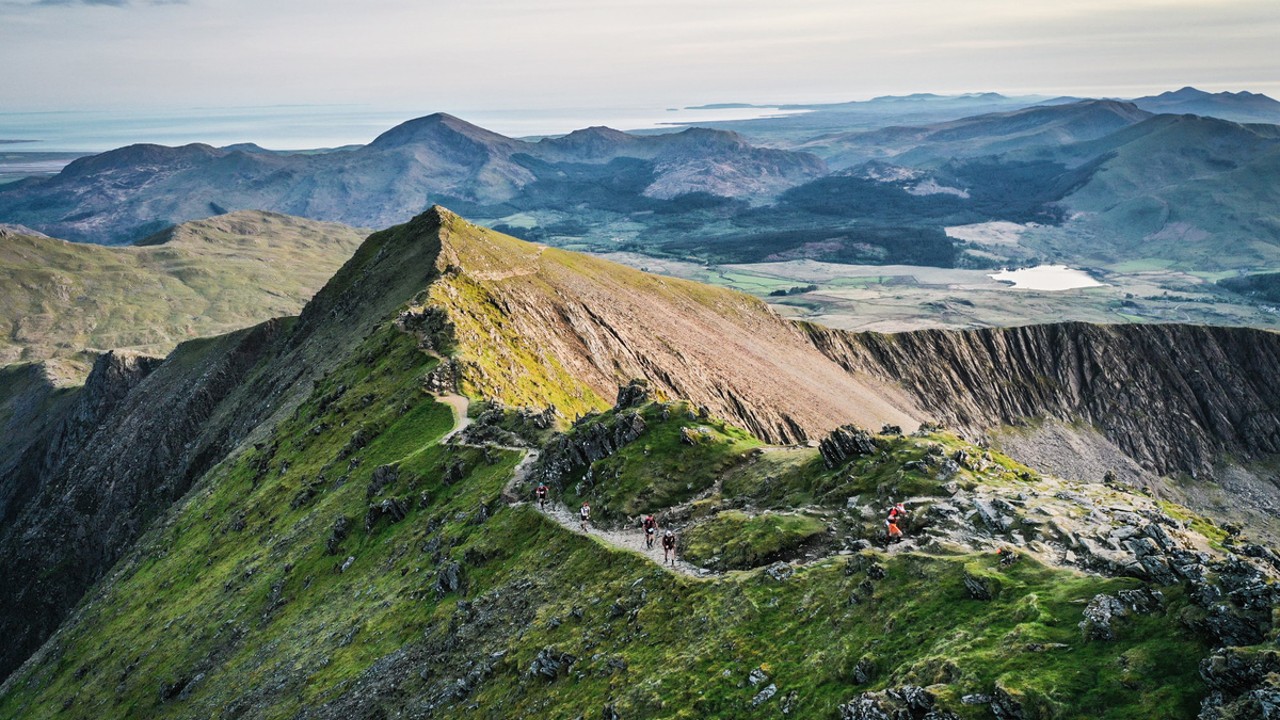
<point x="650" y="530"/>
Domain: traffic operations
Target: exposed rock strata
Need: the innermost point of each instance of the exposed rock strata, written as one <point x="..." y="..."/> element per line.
<point x="1173" y="397"/>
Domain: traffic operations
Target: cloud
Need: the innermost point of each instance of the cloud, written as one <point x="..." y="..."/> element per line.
<point x="102" y="3"/>
<point x="112" y="3"/>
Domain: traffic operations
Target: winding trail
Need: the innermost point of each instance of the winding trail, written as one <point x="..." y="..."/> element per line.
<point x="629" y="540"/>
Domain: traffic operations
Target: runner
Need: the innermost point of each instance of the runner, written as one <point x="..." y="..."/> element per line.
<point x="584" y="516"/>
<point x="650" y="530"/>
<point x="669" y="548"/>
<point x="541" y="492"/>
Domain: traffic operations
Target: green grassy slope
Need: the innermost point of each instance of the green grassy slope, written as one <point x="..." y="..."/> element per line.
<point x="248" y="602"/>
<point x="346" y="564"/>
<point x="197" y="279"/>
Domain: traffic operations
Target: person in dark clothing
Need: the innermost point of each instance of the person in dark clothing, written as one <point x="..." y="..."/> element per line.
<point x="541" y="493"/>
<point x="669" y="548"/>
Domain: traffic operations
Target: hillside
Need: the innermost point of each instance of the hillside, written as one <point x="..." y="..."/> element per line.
<point x="1196" y="191"/>
<point x="317" y="542"/>
<point x="59" y="299"/>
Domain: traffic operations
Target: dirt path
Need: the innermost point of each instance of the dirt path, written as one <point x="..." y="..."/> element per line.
<point x="461" y="421"/>
<point x="632" y="541"/>
<point x="629" y="540"/>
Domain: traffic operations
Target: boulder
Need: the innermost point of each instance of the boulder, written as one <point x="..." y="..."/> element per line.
<point x="844" y="443"/>
<point x="550" y="663"/>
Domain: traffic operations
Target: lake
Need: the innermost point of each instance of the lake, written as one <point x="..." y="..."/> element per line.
<point x="1046" y="277"/>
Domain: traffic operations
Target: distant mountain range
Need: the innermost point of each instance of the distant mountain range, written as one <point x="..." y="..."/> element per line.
<point x="928" y="109"/>
<point x="1241" y="107"/>
<point x="990" y="134"/>
<point x="126" y="194"/>
<point x="1106" y="181"/>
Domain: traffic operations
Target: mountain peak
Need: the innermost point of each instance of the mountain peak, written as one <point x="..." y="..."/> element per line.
<point x="438" y="127"/>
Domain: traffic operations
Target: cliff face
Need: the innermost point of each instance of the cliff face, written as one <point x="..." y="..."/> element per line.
<point x="1175" y="398"/>
<point x="127" y="447"/>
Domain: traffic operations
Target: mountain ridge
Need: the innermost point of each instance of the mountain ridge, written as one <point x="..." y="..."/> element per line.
<point x="61" y="299"/>
<point x="126" y="194"/>
<point x="301" y="518"/>
<point x="474" y="300"/>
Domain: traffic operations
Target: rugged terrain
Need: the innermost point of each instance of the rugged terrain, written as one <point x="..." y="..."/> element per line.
<point x="268" y="523"/>
<point x="60" y="299"/>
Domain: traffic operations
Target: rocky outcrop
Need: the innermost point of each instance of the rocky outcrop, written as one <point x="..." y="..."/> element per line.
<point x="1175" y="398"/>
<point x="569" y="454"/>
<point x="1242" y="683"/>
<point x="909" y="702"/>
<point x="848" y="441"/>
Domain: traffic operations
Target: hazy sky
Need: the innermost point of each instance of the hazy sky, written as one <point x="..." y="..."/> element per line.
<point x="497" y="54"/>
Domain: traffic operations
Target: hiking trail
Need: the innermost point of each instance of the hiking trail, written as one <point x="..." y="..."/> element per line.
<point x="627" y="540"/>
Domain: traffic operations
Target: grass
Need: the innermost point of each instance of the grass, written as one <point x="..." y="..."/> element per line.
<point x="246" y="600"/>
<point x="237" y="588"/>
<point x="734" y="540"/>
<point x="211" y="276"/>
<point x="678" y="457"/>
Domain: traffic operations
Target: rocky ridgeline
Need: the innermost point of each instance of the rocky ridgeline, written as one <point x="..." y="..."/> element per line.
<point x="133" y="442"/>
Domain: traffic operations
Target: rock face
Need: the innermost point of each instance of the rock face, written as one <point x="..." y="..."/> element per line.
<point x="1172" y="397"/>
<point x="570" y="453"/>
<point x="138" y="436"/>
<point x="845" y="442"/>
<point x="540" y="327"/>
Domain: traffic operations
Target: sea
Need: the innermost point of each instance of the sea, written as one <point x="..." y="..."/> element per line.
<point x="307" y="127"/>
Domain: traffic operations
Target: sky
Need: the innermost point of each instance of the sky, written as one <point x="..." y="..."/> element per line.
<point x="457" y="55"/>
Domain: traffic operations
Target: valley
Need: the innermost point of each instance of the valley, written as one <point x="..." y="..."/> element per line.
<point x="896" y="298"/>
